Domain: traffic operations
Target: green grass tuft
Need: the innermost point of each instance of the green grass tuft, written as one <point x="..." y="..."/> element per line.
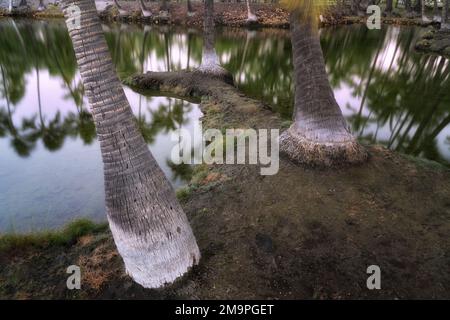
<point x="68" y="235"/>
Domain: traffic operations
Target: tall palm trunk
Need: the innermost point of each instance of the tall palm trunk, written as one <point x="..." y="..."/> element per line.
<point x="319" y="134"/>
<point x="210" y="62"/>
<point x="251" y="17"/>
<point x="190" y="11"/>
<point x="10" y="6"/>
<point x="41" y="6"/>
<point x="436" y="16"/>
<point x="150" y="229"/>
<point x="424" y="16"/>
<point x="146" y="12"/>
<point x="164" y="9"/>
<point x="389" y="7"/>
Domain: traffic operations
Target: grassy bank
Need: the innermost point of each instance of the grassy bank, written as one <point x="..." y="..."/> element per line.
<point x="39" y="240"/>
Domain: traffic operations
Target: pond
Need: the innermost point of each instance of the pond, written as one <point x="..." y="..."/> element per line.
<point x="50" y="162"/>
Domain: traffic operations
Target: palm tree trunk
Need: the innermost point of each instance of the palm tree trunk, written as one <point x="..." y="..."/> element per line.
<point x="190" y="11"/>
<point x="436" y="16"/>
<point x="146" y="12"/>
<point x="319" y="134"/>
<point x="164" y="9"/>
<point x="445" y="25"/>
<point x="251" y="17"/>
<point x="389" y="7"/>
<point x="210" y="62"/>
<point x="10" y="6"/>
<point x="41" y="6"/>
<point x="150" y="229"/>
<point x="424" y="16"/>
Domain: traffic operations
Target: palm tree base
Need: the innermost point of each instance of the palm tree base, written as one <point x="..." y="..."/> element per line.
<point x="155" y="264"/>
<point x="319" y="154"/>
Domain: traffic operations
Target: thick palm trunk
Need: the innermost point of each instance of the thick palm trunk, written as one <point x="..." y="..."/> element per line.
<point x="149" y="227"/>
<point x="210" y="62"/>
<point x="251" y="17"/>
<point x="319" y="134"/>
<point x="10" y="6"/>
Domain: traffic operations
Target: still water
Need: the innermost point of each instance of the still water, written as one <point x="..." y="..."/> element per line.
<point x="50" y="162"/>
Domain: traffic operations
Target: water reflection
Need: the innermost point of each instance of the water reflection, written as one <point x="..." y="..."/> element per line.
<point x="50" y="165"/>
<point x="389" y="94"/>
<point x="49" y="158"/>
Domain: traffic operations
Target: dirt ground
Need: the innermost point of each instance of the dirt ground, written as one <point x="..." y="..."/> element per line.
<point x="303" y="233"/>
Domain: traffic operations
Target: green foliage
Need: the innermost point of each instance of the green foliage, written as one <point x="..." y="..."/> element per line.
<point x="184" y="193"/>
<point x="67" y="236"/>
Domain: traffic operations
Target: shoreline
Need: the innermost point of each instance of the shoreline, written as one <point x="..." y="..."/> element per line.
<point x="232" y="15"/>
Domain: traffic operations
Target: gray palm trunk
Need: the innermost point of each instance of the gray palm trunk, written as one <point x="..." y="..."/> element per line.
<point x="190" y="11"/>
<point x="150" y="229"/>
<point x="436" y="16"/>
<point x="319" y="135"/>
<point x="41" y="6"/>
<point x="445" y="23"/>
<point x="389" y="7"/>
<point x="164" y="9"/>
<point x="146" y="12"/>
<point x="210" y="62"/>
<point x="424" y="16"/>
<point x="251" y="17"/>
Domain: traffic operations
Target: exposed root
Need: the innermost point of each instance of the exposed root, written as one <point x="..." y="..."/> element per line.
<point x="311" y="153"/>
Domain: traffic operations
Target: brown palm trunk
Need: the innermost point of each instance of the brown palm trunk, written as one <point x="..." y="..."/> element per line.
<point x="319" y="134"/>
<point x="150" y="229"/>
